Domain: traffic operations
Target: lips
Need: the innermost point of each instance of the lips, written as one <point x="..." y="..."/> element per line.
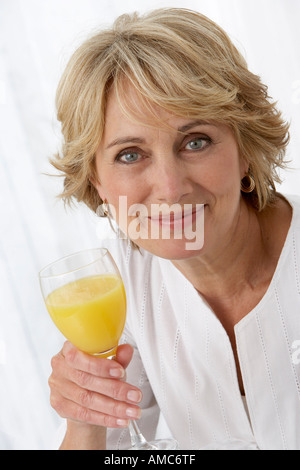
<point x="176" y="220"/>
<point x="171" y="216"/>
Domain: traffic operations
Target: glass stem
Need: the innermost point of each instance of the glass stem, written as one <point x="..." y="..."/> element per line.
<point x="137" y="438"/>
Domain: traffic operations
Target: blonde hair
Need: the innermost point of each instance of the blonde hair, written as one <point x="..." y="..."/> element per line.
<point x="182" y="61"/>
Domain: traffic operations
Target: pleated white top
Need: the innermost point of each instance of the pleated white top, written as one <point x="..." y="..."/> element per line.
<point x="184" y="362"/>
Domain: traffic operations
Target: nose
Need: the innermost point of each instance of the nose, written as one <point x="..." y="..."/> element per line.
<point x="171" y="182"/>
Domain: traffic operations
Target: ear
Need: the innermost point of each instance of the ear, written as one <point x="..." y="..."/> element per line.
<point x="97" y="185"/>
<point x="244" y="167"/>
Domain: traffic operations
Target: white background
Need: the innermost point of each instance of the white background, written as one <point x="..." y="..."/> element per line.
<point x="36" y="39"/>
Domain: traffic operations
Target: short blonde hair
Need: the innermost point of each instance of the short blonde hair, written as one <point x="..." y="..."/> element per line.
<point x="185" y="63"/>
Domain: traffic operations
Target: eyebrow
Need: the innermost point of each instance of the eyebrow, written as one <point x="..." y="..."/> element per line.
<point x="192" y="124"/>
<point x="126" y="140"/>
<point x="137" y="140"/>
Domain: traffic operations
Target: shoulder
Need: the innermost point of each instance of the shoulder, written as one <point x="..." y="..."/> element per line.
<point x="280" y="219"/>
<point x="291" y="249"/>
<point x="294" y="201"/>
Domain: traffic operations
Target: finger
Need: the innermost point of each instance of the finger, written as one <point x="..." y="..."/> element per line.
<point x="93" y="365"/>
<point x="98" y="402"/>
<point x="124" y="355"/>
<point x="116" y="389"/>
<point x="71" y="410"/>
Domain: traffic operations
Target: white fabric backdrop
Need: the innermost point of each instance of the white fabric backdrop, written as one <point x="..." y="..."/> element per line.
<point x="36" y="39"/>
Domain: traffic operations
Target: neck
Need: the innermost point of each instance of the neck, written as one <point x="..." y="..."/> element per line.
<point x="234" y="264"/>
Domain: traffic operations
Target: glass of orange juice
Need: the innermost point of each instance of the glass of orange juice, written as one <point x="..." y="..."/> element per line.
<point x="85" y="297"/>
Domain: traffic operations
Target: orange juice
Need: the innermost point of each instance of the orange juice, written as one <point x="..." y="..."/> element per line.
<point x="90" y="312"/>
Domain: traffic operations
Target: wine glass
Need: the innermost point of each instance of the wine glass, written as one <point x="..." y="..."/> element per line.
<point x="85" y="297"/>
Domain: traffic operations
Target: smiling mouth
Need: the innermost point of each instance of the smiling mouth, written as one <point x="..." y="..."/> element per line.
<point x="161" y="221"/>
<point x="176" y="220"/>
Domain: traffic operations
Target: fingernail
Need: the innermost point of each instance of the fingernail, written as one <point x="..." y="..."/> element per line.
<point x="134" y="395"/>
<point x="133" y="412"/>
<point x="122" y="422"/>
<point x="117" y="373"/>
<point x="67" y="347"/>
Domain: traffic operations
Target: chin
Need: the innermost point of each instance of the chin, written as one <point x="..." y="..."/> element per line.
<point x="171" y="249"/>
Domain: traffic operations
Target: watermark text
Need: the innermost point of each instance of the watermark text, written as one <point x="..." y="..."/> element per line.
<point x="296" y="352"/>
<point x="160" y="222"/>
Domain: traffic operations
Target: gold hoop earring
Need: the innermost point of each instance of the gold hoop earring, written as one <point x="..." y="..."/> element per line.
<point x="247" y="184"/>
<point x="102" y="210"/>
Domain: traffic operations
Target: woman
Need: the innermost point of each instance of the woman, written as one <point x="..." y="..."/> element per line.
<point x="161" y="110"/>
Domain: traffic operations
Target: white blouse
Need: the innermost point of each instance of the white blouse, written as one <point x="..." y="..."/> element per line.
<point x="184" y="362"/>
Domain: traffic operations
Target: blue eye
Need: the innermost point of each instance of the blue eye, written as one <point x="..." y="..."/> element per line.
<point x="128" y="157"/>
<point x="196" y="144"/>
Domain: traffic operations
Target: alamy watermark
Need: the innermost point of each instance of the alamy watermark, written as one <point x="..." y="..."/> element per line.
<point x="160" y="221"/>
<point x="296" y="352"/>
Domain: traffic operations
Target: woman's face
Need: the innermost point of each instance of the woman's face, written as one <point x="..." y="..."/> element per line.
<point x="191" y="167"/>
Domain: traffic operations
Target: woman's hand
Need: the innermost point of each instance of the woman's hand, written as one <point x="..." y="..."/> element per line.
<point x="91" y="390"/>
